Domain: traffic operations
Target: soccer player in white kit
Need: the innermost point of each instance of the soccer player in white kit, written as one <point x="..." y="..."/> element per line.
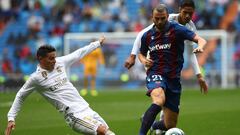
<point x="51" y="81"/>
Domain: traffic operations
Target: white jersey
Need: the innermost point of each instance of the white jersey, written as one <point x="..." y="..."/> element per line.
<point x="55" y="86"/>
<point x="172" y="17"/>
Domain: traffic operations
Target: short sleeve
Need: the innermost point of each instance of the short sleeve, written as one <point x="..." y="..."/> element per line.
<point x="144" y="45"/>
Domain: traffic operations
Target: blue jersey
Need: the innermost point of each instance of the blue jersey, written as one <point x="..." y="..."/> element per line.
<point x="166" y="48"/>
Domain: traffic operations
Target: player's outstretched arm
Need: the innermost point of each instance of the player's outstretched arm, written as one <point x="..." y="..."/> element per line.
<point x="75" y="56"/>
<point x="202" y="83"/>
<point x="10" y="127"/>
<point x="201" y="43"/>
<point x="130" y="61"/>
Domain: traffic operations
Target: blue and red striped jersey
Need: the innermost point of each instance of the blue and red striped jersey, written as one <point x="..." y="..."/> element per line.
<point x="166" y="48"/>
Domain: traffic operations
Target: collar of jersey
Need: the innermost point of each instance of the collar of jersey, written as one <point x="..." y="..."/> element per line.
<point x="39" y="69"/>
<point x="166" y="28"/>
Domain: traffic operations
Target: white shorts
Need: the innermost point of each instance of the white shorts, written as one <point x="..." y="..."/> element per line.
<point x="86" y="121"/>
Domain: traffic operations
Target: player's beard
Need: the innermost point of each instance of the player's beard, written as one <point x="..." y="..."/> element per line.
<point x="160" y="26"/>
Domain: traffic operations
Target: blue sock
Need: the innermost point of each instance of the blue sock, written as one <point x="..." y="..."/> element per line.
<point x="149" y="118"/>
<point x="159" y="125"/>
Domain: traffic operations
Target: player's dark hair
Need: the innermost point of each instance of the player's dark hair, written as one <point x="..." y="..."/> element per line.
<point x="44" y="50"/>
<point x="161" y="8"/>
<point x="187" y="3"/>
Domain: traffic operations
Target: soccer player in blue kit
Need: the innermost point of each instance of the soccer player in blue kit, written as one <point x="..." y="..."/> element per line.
<point x="165" y="43"/>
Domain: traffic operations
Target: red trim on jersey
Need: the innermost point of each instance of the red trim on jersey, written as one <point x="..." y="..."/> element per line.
<point x="174" y="54"/>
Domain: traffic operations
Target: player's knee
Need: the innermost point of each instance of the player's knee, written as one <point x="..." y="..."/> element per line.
<point x="158" y="97"/>
<point x="159" y="102"/>
<point x="101" y="130"/>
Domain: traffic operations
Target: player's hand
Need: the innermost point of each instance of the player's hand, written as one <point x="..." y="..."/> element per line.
<point x="101" y="39"/>
<point x="10" y="127"/>
<point x="198" y="50"/>
<point x="148" y="63"/>
<point x="202" y="83"/>
<point x="130" y="61"/>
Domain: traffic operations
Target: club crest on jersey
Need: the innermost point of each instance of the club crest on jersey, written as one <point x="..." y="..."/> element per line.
<point x="167" y="34"/>
<point x="59" y="70"/>
<point x="44" y="74"/>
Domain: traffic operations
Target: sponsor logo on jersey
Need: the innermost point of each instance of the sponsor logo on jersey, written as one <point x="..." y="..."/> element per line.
<point x="59" y="83"/>
<point x="159" y="47"/>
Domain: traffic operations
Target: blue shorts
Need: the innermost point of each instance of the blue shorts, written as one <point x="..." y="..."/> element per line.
<point x="171" y="86"/>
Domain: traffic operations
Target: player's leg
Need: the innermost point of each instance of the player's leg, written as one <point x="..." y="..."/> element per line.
<point x="171" y="106"/>
<point x="159" y="126"/>
<point x="170" y="118"/>
<point x="156" y="85"/>
<point x="88" y="122"/>
<point x="169" y="121"/>
<point x="102" y="130"/>
<point x="158" y="99"/>
<point x="155" y="127"/>
<point x="81" y="124"/>
<point x="97" y="117"/>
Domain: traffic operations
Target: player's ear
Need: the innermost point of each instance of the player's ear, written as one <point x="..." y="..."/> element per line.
<point x="39" y="58"/>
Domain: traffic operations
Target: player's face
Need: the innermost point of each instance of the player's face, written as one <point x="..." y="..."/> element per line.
<point x="160" y="19"/>
<point x="48" y="62"/>
<point x="186" y="14"/>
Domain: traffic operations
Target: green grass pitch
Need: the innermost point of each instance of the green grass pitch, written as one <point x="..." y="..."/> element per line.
<point x="214" y="114"/>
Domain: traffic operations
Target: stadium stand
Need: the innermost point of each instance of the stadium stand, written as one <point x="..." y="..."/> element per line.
<point x="25" y="25"/>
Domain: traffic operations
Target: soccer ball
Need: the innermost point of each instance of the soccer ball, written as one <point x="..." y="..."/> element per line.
<point x="174" y="131"/>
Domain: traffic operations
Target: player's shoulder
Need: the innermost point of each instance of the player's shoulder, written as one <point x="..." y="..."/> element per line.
<point x="34" y="76"/>
<point x="175" y="24"/>
<point x="60" y="60"/>
<point x="191" y="25"/>
<point x="146" y="29"/>
<point x="38" y="73"/>
<point x="177" y="27"/>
